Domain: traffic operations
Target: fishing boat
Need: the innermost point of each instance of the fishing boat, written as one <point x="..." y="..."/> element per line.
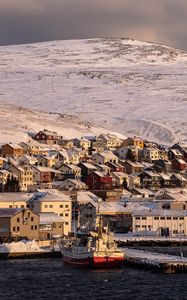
<point x="96" y="249"/>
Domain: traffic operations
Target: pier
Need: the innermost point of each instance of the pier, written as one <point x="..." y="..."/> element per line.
<point x="124" y="240"/>
<point x="155" y="261"/>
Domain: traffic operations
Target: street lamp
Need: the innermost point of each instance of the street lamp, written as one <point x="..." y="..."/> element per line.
<point x="181" y="250"/>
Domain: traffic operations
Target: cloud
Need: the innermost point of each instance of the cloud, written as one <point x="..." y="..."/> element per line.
<point x="162" y="21"/>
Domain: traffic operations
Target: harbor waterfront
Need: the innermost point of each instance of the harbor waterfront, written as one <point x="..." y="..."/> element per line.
<point x="50" y="279"/>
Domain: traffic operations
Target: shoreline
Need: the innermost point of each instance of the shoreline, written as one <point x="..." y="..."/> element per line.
<point x="30" y="255"/>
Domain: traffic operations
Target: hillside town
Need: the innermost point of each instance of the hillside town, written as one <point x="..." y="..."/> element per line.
<point x="48" y="183"/>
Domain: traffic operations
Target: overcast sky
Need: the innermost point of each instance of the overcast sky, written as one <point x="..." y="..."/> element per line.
<point x="163" y="21"/>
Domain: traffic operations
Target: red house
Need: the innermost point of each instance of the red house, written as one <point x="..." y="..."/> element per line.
<point x="47" y="137"/>
<point x="179" y="165"/>
<point x="99" y="181"/>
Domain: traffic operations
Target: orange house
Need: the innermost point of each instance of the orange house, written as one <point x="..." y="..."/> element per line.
<point x="11" y="150"/>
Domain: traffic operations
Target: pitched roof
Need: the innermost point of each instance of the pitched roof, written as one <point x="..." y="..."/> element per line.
<point x="15" y="146"/>
<point x="9" y="212"/>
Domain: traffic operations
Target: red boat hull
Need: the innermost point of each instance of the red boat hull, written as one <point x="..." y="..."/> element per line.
<point x="107" y="262"/>
<point x="95" y="262"/>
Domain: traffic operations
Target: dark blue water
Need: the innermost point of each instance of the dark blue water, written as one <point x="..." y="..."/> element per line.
<point x="50" y="279"/>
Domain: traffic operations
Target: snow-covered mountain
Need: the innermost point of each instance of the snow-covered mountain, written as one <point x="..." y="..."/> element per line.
<point x="135" y="88"/>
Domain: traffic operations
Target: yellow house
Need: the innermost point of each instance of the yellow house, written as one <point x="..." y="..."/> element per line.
<point x="47" y="161"/>
<point x="32" y="147"/>
<point x="111" y="141"/>
<point x="24" y="175"/>
<point x="134" y="141"/>
<point x="55" y="202"/>
<point x="151" y="154"/>
<point x="2" y="161"/>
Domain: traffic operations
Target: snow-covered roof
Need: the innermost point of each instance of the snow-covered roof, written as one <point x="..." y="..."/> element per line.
<point x="119" y="174"/>
<point x="143" y="191"/>
<point x="74" y="181"/>
<point x="165" y="176"/>
<point x="179" y="176"/>
<point x="181" y="161"/>
<point x="176" y="151"/>
<point x="152" y="174"/>
<point x="15" y="146"/>
<point x="50" y="218"/>
<point x="108" y="154"/>
<point x="5" y="172"/>
<point x="46" y="169"/>
<point x="73" y="167"/>
<point x="48" y="132"/>
<point x="50" y="196"/>
<point x="18" y="196"/>
<point x="89" y="166"/>
<point x="100" y="174"/>
<point x="86" y="197"/>
<point x="135" y="164"/>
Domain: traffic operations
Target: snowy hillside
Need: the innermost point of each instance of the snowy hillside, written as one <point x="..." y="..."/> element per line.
<point x="128" y="86"/>
<point x="17" y="123"/>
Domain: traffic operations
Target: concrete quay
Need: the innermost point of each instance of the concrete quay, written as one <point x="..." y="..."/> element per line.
<point x="155" y="261"/>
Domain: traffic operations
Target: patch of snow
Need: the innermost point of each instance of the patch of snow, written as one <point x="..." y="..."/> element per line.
<point x="22" y="246"/>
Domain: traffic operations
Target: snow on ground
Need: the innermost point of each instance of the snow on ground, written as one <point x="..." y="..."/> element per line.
<point x="17" y="122"/>
<point x="135" y="88"/>
<point x="22" y="246"/>
<point x="152" y="257"/>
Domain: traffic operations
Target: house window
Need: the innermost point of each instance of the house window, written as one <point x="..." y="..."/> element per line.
<point x="162" y="218"/>
<point x="36" y="227"/>
<point x="14" y="228"/>
<point x="32" y="227"/>
<point x="10" y="206"/>
<point x="181" y="218"/>
<point x="168" y="218"/>
<point x="46" y="206"/>
<point x="50" y="206"/>
<point x="18" y="228"/>
<point x="32" y="219"/>
<point x="66" y="206"/>
<point x="61" y="206"/>
<point x="18" y="220"/>
<point x="22" y="206"/>
<point x="66" y="215"/>
<point x="61" y="215"/>
<point x="137" y="218"/>
<point x="144" y="218"/>
<point x="66" y="223"/>
<point x="156" y="218"/>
